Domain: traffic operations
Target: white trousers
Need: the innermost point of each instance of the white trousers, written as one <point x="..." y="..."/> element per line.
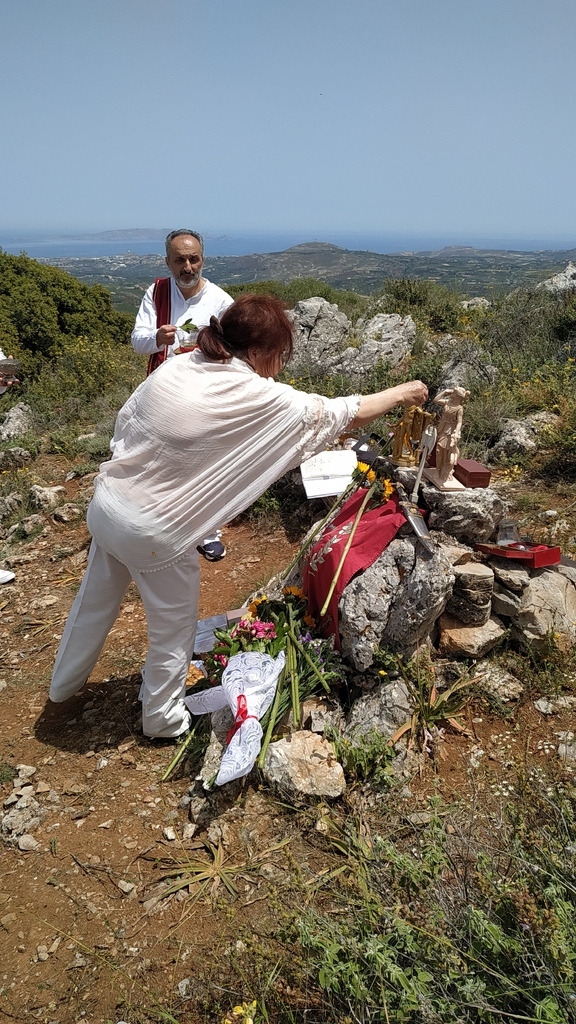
<point x="170" y="599"/>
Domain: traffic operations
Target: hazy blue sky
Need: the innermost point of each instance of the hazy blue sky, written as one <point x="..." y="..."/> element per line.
<point x="399" y="116"/>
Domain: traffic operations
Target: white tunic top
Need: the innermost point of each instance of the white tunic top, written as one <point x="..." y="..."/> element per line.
<point x="194" y="446"/>
<point x="210" y="301"/>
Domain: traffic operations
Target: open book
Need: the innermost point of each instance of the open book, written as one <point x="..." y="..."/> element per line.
<point x="328" y="473"/>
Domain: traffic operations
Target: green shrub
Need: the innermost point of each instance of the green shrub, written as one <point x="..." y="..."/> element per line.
<point x="431" y="304"/>
<point x="41" y="307"/>
<point x="350" y="303"/>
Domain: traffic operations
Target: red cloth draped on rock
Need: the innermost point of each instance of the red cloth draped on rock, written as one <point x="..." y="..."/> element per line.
<point x="376" y="529"/>
<point x="161" y="297"/>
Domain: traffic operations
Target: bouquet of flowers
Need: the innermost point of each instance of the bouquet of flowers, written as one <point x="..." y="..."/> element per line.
<point x="272" y="626"/>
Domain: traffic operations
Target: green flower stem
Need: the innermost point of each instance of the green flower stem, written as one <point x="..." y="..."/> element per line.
<point x="272" y="719"/>
<point x="308" y="659"/>
<point x="292" y="669"/>
<point x="347" y="547"/>
<point x="178" y="756"/>
<point x="318" y="529"/>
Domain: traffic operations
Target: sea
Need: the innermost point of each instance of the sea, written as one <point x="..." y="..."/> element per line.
<point x="49" y="246"/>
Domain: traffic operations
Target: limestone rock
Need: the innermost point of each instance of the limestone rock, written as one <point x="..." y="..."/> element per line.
<point x="511" y="575"/>
<point x="14" y="458"/>
<point x="548" y="608"/>
<point x="466" y="369"/>
<point x="321" y="333"/>
<point x="46" y="497"/>
<point x="320" y="713"/>
<point x="222" y="721"/>
<point x="28" y="844"/>
<point x="396" y="601"/>
<point x="567" y="747"/>
<point x="520" y="437"/>
<point x="304" y="764"/>
<point x="383" y="710"/>
<point x="456" y="552"/>
<point x="469" y="641"/>
<point x="386" y="338"/>
<point x="505" y="602"/>
<point x="561" y="282"/>
<point x="471" y="515"/>
<point x="67" y="513"/>
<point x="319" y="329"/>
<point x="18" y="422"/>
<point x="472" y="593"/>
<point x="497" y="681"/>
<point x="555" y="705"/>
<point x="10" y="504"/>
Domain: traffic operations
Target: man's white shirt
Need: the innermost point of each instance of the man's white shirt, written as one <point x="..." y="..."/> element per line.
<point x="210" y="301"/>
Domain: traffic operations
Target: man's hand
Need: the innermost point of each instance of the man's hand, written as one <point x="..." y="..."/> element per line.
<point x="166" y="335"/>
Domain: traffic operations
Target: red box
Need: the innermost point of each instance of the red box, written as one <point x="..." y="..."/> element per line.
<point x="535" y="556"/>
<point x="471" y="473"/>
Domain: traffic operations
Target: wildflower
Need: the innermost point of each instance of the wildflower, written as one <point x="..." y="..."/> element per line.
<point x="221" y="659"/>
<point x="295" y="591"/>
<point x="382" y="672"/>
<point x="387" y="488"/>
<point x="363" y="467"/>
<point x="370" y="476"/>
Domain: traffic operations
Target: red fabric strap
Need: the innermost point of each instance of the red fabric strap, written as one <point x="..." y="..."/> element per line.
<point x="241" y="717"/>
<point x="161" y="299"/>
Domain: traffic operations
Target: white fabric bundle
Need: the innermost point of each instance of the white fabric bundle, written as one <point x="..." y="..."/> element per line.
<point x="248" y="687"/>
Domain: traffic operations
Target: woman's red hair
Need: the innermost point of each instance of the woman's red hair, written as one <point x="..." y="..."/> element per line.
<point x="254" y="323"/>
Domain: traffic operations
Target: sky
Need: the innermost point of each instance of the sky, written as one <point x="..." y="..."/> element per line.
<point x="406" y="117"/>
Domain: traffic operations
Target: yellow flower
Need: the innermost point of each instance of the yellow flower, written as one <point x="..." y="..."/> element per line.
<point x="382" y="672"/>
<point x="370" y="476"/>
<point x="253" y="607"/>
<point x="363" y="467"/>
<point x="310" y="621"/>
<point x="387" y="488"/>
<point x="295" y="591"/>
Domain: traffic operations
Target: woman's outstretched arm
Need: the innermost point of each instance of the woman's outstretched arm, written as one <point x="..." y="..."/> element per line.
<point x="373" y="406"/>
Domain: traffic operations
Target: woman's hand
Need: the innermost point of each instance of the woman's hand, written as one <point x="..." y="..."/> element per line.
<point x="373" y="406"/>
<point x="412" y="393"/>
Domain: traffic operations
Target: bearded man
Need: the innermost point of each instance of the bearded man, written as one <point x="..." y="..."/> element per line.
<point x="172" y="301"/>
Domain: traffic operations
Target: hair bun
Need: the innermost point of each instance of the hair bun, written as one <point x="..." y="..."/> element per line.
<point x="216" y="326"/>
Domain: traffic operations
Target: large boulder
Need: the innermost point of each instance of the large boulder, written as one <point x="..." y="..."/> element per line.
<point x="521" y="437"/>
<point x="319" y="330"/>
<point x="395" y="602"/>
<point x="548" y="609"/>
<point x="562" y="282"/>
<point x="471" y="515"/>
<point x="385" y="338"/>
<point x="324" y="343"/>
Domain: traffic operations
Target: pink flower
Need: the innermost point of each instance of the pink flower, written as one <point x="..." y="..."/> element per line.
<point x="254" y="629"/>
<point x="221" y="659"/>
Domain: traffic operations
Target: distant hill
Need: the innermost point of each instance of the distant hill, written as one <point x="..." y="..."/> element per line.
<point x="467" y="270"/>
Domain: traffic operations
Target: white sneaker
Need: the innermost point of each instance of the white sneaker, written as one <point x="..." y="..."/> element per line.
<point x="6" y="576"/>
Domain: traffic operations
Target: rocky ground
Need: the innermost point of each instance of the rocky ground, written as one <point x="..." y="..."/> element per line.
<point x="91" y="930"/>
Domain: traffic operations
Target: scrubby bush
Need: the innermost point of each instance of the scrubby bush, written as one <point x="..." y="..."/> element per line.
<point x="430" y="304"/>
